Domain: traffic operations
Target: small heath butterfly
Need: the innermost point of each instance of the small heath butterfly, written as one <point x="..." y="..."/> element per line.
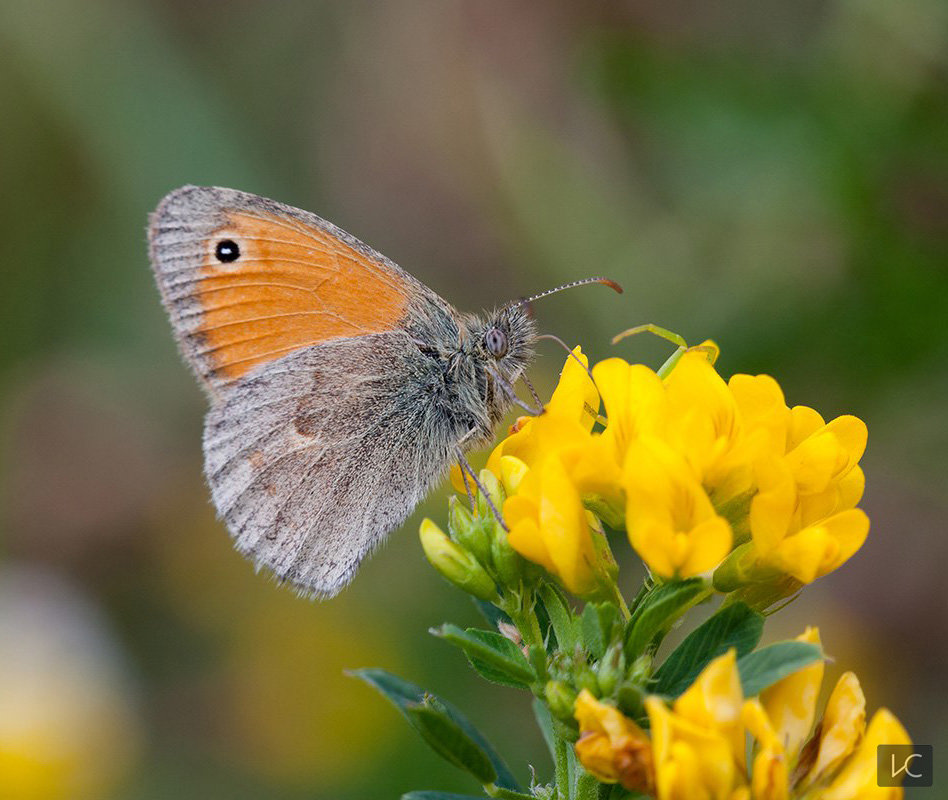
<point x="341" y="389"/>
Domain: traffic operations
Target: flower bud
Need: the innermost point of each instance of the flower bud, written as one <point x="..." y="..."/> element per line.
<point x="641" y="669"/>
<point x="494" y="491"/>
<point x="611" y="668"/>
<point x="508" y="563"/>
<point x="472" y="534"/>
<point x="560" y="697"/>
<point x="586" y="679"/>
<point x="454" y="563"/>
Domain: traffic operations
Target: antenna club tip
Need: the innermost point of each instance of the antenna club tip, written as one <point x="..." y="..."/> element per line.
<point x="611" y="284"/>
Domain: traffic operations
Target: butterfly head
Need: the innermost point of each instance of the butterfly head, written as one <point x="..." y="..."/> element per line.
<point x="504" y="341"/>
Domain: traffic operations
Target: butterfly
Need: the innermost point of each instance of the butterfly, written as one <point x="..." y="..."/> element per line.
<point x="341" y="388"/>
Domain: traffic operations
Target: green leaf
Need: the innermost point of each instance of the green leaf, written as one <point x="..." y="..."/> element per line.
<point x="403" y="694"/>
<point x="734" y="625"/>
<point x="561" y="617"/>
<point x="658" y="611"/>
<point x="449" y="740"/>
<point x="429" y="795"/>
<point x="494" y="656"/>
<point x="768" y="665"/>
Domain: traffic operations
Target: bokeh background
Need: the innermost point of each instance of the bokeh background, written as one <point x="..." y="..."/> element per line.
<point x="773" y="175"/>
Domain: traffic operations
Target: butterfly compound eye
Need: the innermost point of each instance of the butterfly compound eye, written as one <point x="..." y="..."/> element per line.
<point x="227" y="251"/>
<point x="496" y="342"/>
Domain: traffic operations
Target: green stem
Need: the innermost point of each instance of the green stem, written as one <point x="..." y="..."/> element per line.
<point x="587" y="787"/>
<point x="562" y="769"/>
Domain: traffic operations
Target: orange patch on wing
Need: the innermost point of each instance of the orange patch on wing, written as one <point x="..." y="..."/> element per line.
<point x="292" y="286"/>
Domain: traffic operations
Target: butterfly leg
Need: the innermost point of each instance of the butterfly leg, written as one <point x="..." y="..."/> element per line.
<point x="467" y="469"/>
<point x="512" y="395"/>
<point x="536" y="397"/>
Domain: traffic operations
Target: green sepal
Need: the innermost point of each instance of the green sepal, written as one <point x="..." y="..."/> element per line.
<point x="561" y="617"/>
<point x="631" y="700"/>
<point x="536" y="655"/>
<point x="403" y="694"/>
<point x="596" y="624"/>
<point x="495" y="657"/>
<point x="658" y="611"/>
<point x="766" y="666"/>
<point x="734" y="625"/>
<point x="560" y="699"/>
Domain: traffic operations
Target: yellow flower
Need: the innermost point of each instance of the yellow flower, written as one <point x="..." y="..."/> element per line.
<point x="635" y="403"/>
<point x="611" y="746"/>
<point x="669" y="518"/>
<point x="788" y="540"/>
<point x="705" y="425"/>
<point x="550" y="527"/>
<point x="858" y="777"/>
<point x="698" y="744"/>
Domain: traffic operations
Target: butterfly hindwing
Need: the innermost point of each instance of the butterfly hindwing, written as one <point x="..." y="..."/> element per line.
<point x="312" y="461"/>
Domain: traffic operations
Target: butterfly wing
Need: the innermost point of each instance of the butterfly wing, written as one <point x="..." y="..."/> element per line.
<point x="314" y="460"/>
<point x="322" y="434"/>
<point x="246" y="280"/>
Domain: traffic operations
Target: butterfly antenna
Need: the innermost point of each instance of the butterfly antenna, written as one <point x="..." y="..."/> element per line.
<point x="572" y="285"/>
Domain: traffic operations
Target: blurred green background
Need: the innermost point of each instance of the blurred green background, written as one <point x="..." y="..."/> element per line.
<point x="772" y="175"/>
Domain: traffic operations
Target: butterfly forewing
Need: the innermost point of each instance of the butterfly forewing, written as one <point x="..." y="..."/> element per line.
<point x="247" y="280"/>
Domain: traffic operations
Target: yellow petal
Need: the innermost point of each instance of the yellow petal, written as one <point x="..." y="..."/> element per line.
<point x="791" y="703"/>
<point x="844" y="723"/>
<point x="714" y="700"/>
<point x="773" y="506"/>
<point x="804" y="421"/>
<point x="710" y="542"/>
<point x="816" y="461"/>
<point x="857" y="779"/>
<point x="770" y="778"/>
<point x="575" y="392"/>
<point x="761" y="404"/>
<point x="851" y="488"/>
<point x="634" y="398"/>
<point x="512" y="472"/>
<point x="819" y="549"/>
<point x="566" y="529"/>
<point x="852" y="434"/>
<point x="524" y="537"/>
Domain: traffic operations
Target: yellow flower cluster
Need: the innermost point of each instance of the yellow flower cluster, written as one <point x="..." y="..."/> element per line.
<point x="691" y="467"/>
<point x="697" y="745"/>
